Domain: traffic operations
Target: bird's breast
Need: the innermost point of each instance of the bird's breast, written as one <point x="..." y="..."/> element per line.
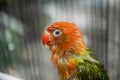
<point x="67" y="68"/>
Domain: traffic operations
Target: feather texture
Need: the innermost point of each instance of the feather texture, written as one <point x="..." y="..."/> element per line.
<point x="74" y="60"/>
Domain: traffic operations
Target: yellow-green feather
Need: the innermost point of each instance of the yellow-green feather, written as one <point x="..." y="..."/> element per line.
<point x="88" y="68"/>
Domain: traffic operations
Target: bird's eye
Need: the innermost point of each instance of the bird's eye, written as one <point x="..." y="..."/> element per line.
<point x="57" y="33"/>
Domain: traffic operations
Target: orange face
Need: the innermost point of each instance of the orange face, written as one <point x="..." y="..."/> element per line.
<point x="60" y="34"/>
<point x="64" y="40"/>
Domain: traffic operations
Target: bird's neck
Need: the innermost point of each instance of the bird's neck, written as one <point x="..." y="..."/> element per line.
<point x="74" y="48"/>
<point x="65" y="56"/>
<point x="67" y="64"/>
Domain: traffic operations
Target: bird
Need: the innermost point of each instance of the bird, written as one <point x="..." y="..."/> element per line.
<point x="70" y="55"/>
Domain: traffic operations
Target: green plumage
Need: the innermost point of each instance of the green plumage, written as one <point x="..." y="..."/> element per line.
<point x="88" y="68"/>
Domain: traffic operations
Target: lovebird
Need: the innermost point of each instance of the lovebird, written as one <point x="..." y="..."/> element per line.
<point x="70" y="55"/>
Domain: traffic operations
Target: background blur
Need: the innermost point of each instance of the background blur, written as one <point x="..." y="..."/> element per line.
<point x="23" y="21"/>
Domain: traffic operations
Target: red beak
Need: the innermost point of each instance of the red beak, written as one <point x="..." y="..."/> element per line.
<point x="46" y="38"/>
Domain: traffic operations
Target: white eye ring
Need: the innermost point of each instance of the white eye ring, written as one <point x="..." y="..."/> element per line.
<point x="57" y="33"/>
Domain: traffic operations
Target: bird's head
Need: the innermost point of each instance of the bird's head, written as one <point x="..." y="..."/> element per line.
<point x="64" y="36"/>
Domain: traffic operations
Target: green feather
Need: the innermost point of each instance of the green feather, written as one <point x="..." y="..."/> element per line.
<point x="88" y="68"/>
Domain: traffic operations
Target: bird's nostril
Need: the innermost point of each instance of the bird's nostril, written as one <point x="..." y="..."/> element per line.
<point x="49" y="43"/>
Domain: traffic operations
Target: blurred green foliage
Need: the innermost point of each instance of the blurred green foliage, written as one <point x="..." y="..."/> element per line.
<point x="5" y="57"/>
<point x="10" y="49"/>
<point x="45" y="1"/>
<point x="4" y="2"/>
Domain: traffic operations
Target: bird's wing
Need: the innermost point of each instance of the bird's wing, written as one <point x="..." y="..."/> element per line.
<point x="91" y="69"/>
